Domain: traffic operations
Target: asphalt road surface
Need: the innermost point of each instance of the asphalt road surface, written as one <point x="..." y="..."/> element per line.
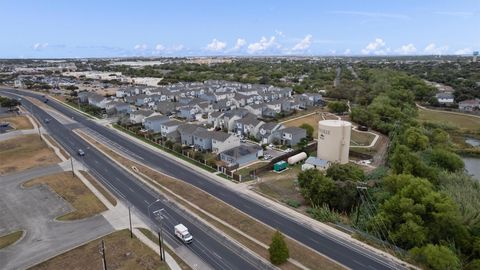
<point x="342" y="251"/>
<point x="217" y="252"/>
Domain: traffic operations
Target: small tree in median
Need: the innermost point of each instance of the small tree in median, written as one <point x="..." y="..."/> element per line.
<point x="278" y="249"/>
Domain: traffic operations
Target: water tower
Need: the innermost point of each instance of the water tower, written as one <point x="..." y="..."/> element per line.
<point x="334" y="140"/>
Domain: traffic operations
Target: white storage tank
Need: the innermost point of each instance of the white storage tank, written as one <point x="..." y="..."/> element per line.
<point x="297" y="158"/>
<point x="334" y="140"/>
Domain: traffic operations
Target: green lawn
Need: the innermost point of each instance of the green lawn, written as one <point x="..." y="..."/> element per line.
<point x="8" y="239"/>
<point x="462" y="121"/>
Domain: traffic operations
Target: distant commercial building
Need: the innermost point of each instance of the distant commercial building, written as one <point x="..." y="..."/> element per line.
<point x="334" y="140"/>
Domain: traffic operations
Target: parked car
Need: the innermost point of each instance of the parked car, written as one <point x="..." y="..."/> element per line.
<point x="80" y="152"/>
<point x="288" y="150"/>
<point x="362" y="128"/>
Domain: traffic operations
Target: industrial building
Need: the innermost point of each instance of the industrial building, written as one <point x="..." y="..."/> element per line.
<point x="334" y="140"/>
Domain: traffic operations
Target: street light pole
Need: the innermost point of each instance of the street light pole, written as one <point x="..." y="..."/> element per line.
<point x="130" y="218"/>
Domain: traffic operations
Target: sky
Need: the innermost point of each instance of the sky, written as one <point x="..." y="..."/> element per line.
<point x="150" y="28"/>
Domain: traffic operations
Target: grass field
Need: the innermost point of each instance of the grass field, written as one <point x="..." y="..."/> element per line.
<point x="228" y="214"/>
<point x="18" y="122"/>
<point x="280" y="186"/>
<point x="25" y="152"/>
<point x="10" y="238"/>
<point x="461" y="121"/>
<point x="72" y="190"/>
<point x="312" y="120"/>
<point x="361" y="138"/>
<point x="122" y="252"/>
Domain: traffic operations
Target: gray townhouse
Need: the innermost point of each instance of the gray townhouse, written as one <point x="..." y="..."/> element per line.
<point x="169" y="127"/>
<point x="117" y="108"/>
<point x="241" y="155"/>
<point x="266" y="132"/>
<point x="136" y="117"/>
<point x="186" y="133"/>
<point x="153" y="123"/>
<point x="248" y="125"/>
<point x="222" y="141"/>
<point x="290" y="136"/>
<point x="202" y="139"/>
<point x="165" y="107"/>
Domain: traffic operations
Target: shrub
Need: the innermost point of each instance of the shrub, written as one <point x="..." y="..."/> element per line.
<point x="278" y="249"/>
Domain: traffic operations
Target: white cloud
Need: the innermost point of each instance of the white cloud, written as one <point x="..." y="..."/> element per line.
<point x="406" y="49"/>
<point x="262" y="45"/>
<point x="159" y="47"/>
<point x="140" y="47"/>
<point x="464" y="14"/>
<point x="347" y="52"/>
<point x="463" y="51"/>
<point x="377" y="47"/>
<point x="176" y="48"/>
<point x="279" y="33"/>
<point x="216" y="45"/>
<point x="303" y="44"/>
<point x="39" y="46"/>
<point x="239" y="44"/>
<point x="433" y="49"/>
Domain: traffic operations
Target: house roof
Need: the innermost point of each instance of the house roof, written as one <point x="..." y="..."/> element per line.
<point x="202" y="133"/>
<point x="242" y="150"/>
<point x="172" y="123"/>
<point x="142" y="112"/>
<point x="292" y="130"/>
<point x="316" y="161"/>
<point x="220" y="136"/>
<point x="188" y="128"/>
<point x="160" y="118"/>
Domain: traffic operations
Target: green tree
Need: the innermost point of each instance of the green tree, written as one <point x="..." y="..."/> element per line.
<point x="308" y="128"/>
<point x="415" y="140"/>
<point x="345" y="172"/>
<point x="446" y="160"/>
<point x="278" y="249"/>
<point x="337" y="106"/>
<point x="437" y="257"/>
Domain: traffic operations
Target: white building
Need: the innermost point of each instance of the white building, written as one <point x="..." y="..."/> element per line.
<point x="334" y="140"/>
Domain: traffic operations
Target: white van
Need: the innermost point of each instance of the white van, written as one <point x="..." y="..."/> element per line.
<point x="182" y="233"/>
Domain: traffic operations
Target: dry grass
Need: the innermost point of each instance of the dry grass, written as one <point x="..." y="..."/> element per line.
<point x="312" y="120"/>
<point x="122" y="252"/>
<point x="100" y="188"/>
<point x="461" y="121"/>
<point x="72" y="190"/>
<point x="25" y="152"/>
<point x="52" y="141"/>
<point x="18" y="122"/>
<point x="150" y="235"/>
<point x="361" y="138"/>
<point x="229" y="214"/>
<point x="280" y="186"/>
<point x="8" y="239"/>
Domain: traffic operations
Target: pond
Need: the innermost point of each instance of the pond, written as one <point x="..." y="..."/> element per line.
<point x="473" y="142"/>
<point x="472" y="165"/>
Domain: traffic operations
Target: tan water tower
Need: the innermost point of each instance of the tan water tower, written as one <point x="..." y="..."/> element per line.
<point x="334" y="140"/>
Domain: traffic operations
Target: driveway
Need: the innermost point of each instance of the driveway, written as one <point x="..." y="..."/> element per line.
<point x="33" y="210"/>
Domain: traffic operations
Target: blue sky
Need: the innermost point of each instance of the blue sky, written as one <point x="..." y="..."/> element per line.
<point x="107" y="28"/>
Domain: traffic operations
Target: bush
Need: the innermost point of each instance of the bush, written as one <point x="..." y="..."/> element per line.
<point x="293" y="203"/>
<point x="324" y="214"/>
<point x="278" y="249"/>
<point x="437" y="257"/>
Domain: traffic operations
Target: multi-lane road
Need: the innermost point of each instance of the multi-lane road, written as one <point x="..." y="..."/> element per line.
<point x="209" y="246"/>
<point x="350" y="255"/>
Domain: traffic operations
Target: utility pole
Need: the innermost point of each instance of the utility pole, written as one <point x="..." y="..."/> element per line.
<point x="160" y="245"/>
<point x="104" y="259"/>
<point x="130" y="219"/>
<point x="71" y="162"/>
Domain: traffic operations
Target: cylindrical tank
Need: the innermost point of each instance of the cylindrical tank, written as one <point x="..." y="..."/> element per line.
<point x="334" y="140"/>
<point x="297" y="158"/>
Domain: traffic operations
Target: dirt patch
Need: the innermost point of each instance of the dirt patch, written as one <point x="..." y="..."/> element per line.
<point x="18" y="122"/>
<point x="122" y="252"/>
<point x="100" y="188"/>
<point x="72" y="190"/>
<point x="312" y="120"/>
<point x="280" y="186"/>
<point x="231" y="215"/>
<point x="361" y="138"/>
<point x="8" y="239"/>
<point x="25" y="152"/>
